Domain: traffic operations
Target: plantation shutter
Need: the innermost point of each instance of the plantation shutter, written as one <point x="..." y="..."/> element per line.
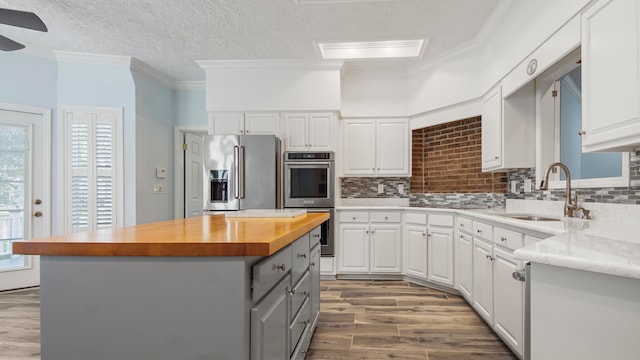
<point x="92" y="189"/>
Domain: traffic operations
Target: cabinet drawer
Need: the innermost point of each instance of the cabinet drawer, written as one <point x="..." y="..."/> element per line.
<point x="299" y="294"/>
<point x="511" y="239"/>
<point x="300" y="353"/>
<point x="415" y="218"/>
<point x="299" y="258"/>
<point x="298" y="325"/>
<point x="464" y="225"/>
<point x="269" y="271"/>
<point x="353" y="217"/>
<point x="314" y="236"/>
<point x="440" y="220"/>
<point x="483" y="230"/>
<point x="385" y="217"/>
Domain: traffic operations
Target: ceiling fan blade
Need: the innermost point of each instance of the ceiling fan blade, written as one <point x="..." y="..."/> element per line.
<point x="23" y="19"/>
<point x="7" y="44"/>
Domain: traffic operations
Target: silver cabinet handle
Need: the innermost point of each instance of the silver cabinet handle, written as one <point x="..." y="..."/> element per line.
<point x="581" y="132"/>
<point x="282" y="267"/>
<point x="302" y="256"/>
<point x="503" y="239"/>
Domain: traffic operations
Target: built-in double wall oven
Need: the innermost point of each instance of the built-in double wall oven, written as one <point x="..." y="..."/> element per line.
<point x="309" y="180"/>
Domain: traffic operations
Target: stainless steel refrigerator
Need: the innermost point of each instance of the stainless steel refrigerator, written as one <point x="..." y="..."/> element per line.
<point x="241" y="172"/>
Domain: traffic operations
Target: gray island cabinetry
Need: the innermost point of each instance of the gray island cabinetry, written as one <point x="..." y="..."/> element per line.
<point x="141" y="302"/>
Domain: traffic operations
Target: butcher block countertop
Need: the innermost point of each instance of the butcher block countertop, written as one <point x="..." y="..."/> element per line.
<point x="208" y="235"/>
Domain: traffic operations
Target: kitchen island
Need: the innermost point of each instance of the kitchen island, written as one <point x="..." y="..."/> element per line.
<point x="208" y="287"/>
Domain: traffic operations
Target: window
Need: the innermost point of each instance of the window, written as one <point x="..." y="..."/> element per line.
<point x="93" y="168"/>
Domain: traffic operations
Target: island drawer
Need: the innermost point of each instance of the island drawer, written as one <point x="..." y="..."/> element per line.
<point x="314" y="236"/>
<point x="298" y="325"/>
<point x="353" y="217"/>
<point x="511" y="239"/>
<point x="385" y="217"/>
<point x="299" y="294"/>
<point x="299" y="258"/>
<point x="269" y="271"/>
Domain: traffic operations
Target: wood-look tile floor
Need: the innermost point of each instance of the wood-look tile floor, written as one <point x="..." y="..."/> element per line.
<point x="399" y="320"/>
<point x="358" y="320"/>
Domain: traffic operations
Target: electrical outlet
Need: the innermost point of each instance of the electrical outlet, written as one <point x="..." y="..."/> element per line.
<point x="380" y="188"/>
<point x="514" y="186"/>
<point x="401" y="188"/>
<point x="158" y="189"/>
<point x="528" y="185"/>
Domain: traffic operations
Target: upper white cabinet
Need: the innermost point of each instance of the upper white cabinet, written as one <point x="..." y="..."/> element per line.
<point x="508" y="129"/>
<point x="376" y="147"/>
<point x="611" y="76"/>
<point x="244" y="123"/>
<point x="309" y="131"/>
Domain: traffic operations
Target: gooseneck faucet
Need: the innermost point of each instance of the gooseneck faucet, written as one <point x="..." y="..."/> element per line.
<point x="569" y="206"/>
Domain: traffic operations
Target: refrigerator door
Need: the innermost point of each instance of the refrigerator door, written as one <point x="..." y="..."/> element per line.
<point x="221" y="179"/>
<point x="259" y="162"/>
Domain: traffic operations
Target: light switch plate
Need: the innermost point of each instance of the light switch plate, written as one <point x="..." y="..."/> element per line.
<point x="380" y="188"/>
<point x="400" y="188"/>
<point x="527" y="185"/>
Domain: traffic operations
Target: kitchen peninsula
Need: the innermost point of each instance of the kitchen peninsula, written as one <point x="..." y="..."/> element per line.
<point x="208" y="287"/>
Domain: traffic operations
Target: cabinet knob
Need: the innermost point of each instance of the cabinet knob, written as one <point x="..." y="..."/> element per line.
<point x="479" y="231"/>
<point x="37" y="214"/>
<point x="428" y="235"/>
<point x="354" y="218"/>
<point x="302" y="256"/>
<point x="312" y="263"/>
<point x="503" y="239"/>
<point x="461" y="236"/>
<point x="581" y="132"/>
<point x="461" y="225"/>
<point x="292" y="291"/>
<point x="423" y="234"/>
<point x="496" y="157"/>
<point x="386" y="218"/>
<point x="282" y="267"/>
<point x="304" y="293"/>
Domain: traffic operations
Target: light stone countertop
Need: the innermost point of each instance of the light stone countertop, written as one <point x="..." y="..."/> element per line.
<point x="608" y="244"/>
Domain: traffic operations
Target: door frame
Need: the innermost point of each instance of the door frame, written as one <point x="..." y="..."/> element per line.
<point x="178" y="163"/>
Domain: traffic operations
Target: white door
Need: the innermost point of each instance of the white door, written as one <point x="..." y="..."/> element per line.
<point x="25" y="163"/>
<point x="193" y="176"/>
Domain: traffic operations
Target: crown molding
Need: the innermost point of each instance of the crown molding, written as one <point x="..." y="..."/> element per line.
<point x="190" y="85"/>
<point x="270" y="64"/>
<point x="96" y="59"/>
<point x="149" y="71"/>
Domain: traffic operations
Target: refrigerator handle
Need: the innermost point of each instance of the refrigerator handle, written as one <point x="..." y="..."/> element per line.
<point x="241" y="172"/>
<point x="236" y="172"/>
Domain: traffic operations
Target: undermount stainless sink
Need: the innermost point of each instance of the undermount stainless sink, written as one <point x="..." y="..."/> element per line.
<point x="529" y="217"/>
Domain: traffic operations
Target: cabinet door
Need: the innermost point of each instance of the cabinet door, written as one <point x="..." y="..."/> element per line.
<point x="483" y="278"/>
<point x="223" y="124"/>
<point x="463" y="250"/>
<point x="440" y="255"/>
<point x="354" y="248"/>
<point x="611" y="75"/>
<point x="262" y="124"/>
<point x="385" y="249"/>
<point x="296" y="132"/>
<point x="416" y="253"/>
<point x="270" y="325"/>
<point x="508" y="299"/>
<point x="321" y="134"/>
<point x="492" y="130"/>
<point x="392" y="141"/>
<point x="359" y="147"/>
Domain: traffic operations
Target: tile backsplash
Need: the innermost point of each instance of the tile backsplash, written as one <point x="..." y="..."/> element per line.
<point x="367" y="187"/>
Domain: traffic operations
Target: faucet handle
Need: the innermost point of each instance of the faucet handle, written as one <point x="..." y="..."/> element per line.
<point x="585" y="214"/>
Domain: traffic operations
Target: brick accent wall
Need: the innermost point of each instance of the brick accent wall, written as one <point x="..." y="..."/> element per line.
<point x="447" y="158"/>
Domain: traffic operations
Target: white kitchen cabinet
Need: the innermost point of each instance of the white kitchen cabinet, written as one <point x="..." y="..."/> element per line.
<point x="463" y="250"/>
<point x="508" y="299"/>
<point x="309" y="131"/>
<point x="376" y="147"/>
<point x="483" y="278"/>
<point x="244" y="123"/>
<point x="440" y="249"/>
<point x="611" y="76"/>
<point x="508" y="129"/>
<point x="370" y="242"/>
<point x="416" y="252"/>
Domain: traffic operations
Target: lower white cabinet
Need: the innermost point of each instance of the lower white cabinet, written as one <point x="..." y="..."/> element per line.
<point x="508" y="299"/>
<point x="370" y="242"/>
<point x="483" y="278"/>
<point x="416" y="253"/>
<point x="463" y="249"/>
<point x="440" y="249"/>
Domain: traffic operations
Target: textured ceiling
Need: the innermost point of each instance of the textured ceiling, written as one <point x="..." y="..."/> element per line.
<point x="170" y="35"/>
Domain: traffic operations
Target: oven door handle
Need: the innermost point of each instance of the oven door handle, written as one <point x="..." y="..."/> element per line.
<point x="307" y="164"/>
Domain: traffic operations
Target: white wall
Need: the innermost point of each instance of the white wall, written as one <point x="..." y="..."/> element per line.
<point x="272" y="86"/>
<point x="155" y="113"/>
<point x="380" y="93"/>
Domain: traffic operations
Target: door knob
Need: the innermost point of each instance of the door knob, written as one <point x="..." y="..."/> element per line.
<point x="37" y="214"/>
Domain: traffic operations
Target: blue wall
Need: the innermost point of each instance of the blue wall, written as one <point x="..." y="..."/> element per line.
<point x="191" y="108"/>
<point x="81" y="84"/>
<point x="155" y="114"/>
